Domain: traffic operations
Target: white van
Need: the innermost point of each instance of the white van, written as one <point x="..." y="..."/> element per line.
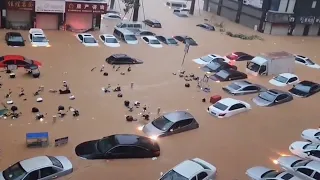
<point x="130" y="25"/>
<point x="125" y="35"/>
<point x="176" y="4"/>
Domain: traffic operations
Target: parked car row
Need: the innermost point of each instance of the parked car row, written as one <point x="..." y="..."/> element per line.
<point x="36" y="37"/>
<point x="303" y="165"/>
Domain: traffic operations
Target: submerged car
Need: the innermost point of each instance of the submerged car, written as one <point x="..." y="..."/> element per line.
<point x="306" y="61"/>
<point x="186" y="40"/>
<point x="206" y="26"/>
<point x="192" y="169"/>
<point x="228" y="75"/>
<point x="272" y="97"/>
<point x="109" y="40"/>
<point x="19" y="61"/>
<point x="306" y="150"/>
<point x="228" y="107"/>
<point x="152" y="23"/>
<point x="122" y="59"/>
<point x="87" y="39"/>
<point x="118" y="146"/>
<point x="312" y="135"/>
<point x="169" y="124"/>
<point x="284" y="79"/>
<point x="41" y="167"/>
<point x="167" y="41"/>
<point x="264" y="173"/>
<point x="204" y="60"/>
<point x="217" y="66"/>
<point x="304" y="169"/>
<point x="38" y="38"/>
<point x="238" y="56"/>
<point x="152" y="41"/>
<point x="14" y="39"/>
<point x="305" y="89"/>
<point x="243" y="87"/>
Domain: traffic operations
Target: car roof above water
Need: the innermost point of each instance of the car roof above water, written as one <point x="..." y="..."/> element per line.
<point x="35" y="163"/>
<point x="242" y="83"/>
<point x="131" y="139"/>
<point x="178" y="116"/>
<point x="119" y="55"/>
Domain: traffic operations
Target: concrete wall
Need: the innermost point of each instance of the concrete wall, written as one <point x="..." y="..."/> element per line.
<point x="213" y="7"/>
<point x="313" y="31"/>
<point x="280" y="29"/>
<point x="228" y="13"/>
<point x="249" y="21"/>
<point x="298" y="30"/>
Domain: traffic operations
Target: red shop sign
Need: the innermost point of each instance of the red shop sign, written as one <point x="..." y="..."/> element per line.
<point x="20" y="5"/>
<point x="81" y="7"/>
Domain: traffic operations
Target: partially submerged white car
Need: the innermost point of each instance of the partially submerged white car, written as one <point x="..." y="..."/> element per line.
<point x="306" y="61"/>
<point x="37" y="38"/>
<point x="87" y="39"/>
<point x="228" y="107"/>
<point x="152" y="41"/>
<point x="312" y="135"/>
<point x="264" y="173"/>
<point x="284" y="79"/>
<point x="109" y="40"/>
<point x="204" y="60"/>
<point x="113" y="16"/>
<point x="306" y="150"/>
<point x="193" y="169"/>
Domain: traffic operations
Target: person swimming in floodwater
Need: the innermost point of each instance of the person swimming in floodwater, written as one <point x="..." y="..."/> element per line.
<point x="117" y="89"/>
<point x="66" y="89"/>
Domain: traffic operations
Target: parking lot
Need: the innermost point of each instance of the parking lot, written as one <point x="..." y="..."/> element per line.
<point x="233" y="145"/>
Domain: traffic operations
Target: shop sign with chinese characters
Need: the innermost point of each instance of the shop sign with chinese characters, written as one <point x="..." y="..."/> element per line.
<point x="20" y="5"/>
<point x="81" y="7"/>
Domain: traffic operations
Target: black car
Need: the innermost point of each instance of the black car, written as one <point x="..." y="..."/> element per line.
<point x="228" y="75"/>
<point x="206" y="26"/>
<point x="118" y="146"/>
<point x="122" y="59"/>
<point x="146" y="33"/>
<point x="14" y="39"/>
<point x="152" y="23"/>
<point x="305" y="89"/>
<point x="167" y="41"/>
<point x="186" y="40"/>
<point x="239" y="56"/>
<point x="216" y="66"/>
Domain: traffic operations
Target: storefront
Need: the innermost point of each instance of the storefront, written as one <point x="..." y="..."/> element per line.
<point x="81" y="15"/>
<point x="19" y="14"/>
<point x="49" y="14"/>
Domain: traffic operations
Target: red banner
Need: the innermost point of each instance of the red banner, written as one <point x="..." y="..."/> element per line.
<point x="20" y="5"/>
<point x="82" y="7"/>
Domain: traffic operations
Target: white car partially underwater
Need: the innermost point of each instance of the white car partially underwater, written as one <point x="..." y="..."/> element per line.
<point x="38" y="38"/>
<point x="193" y="169"/>
<point x="87" y="39"/>
<point x="306" y="61"/>
<point x="152" y="41"/>
<point x="264" y="173"/>
<point x="109" y="40"/>
<point x="228" y="107"/>
<point x="284" y="79"/>
<point x="306" y="150"/>
<point x="312" y="135"/>
<point x="204" y="60"/>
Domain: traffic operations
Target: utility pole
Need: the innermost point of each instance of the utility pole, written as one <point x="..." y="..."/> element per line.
<point x="112" y="4"/>
<point x="193" y="3"/>
<point x="136" y="6"/>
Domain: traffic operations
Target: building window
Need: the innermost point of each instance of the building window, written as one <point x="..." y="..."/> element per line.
<point x="275" y="5"/>
<point x="314" y="4"/>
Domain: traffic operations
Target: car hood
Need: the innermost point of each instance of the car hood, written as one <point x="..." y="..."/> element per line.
<point x="67" y="165"/>
<point x="10" y="43"/>
<point x="298" y="145"/>
<point x="156" y="45"/>
<point x="200" y="61"/>
<point x="112" y="44"/>
<point x="132" y="42"/>
<point x="229" y="90"/>
<point x="150" y="130"/>
<point x="286" y="161"/>
<point x="40" y="44"/>
<point x="277" y="83"/>
<point x="315" y="66"/>
<point x="91" y="44"/>
<point x="257" y="172"/>
<point x="216" y="78"/>
<point x="261" y="102"/>
<point x="87" y="148"/>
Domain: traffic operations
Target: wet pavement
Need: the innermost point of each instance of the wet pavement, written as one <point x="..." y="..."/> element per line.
<point x="232" y="145"/>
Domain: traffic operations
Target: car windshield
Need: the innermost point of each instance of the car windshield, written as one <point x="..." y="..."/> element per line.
<point x="206" y="58"/>
<point x="172" y="41"/>
<point x="89" y="40"/>
<point x="16" y="39"/>
<point x="111" y="40"/>
<point x="281" y="79"/>
<point x="173" y="175"/>
<point x="162" y="123"/>
<point x="310" y="62"/>
<point x="271" y="174"/>
<point x="253" y="66"/>
<point x="234" y="86"/>
<point x="105" y="144"/>
<point x="213" y="66"/>
<point x="302" y="88"/>
<point x="39" y="39"/>
<point x="267" y="96"/>
<point x="311" y="146"/>
<point x="223" y="74"/>
<point x="300" y="163"/>
<point x="130" y="37"/>
<point x="14" y="172"/>
<point x="220" y="106"/>
<point x="154" y="42"/>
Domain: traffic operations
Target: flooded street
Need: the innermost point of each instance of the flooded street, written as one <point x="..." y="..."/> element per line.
<point x="233" y="144"/>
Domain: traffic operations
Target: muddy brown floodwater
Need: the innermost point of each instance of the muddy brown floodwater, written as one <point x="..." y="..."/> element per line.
<point x="232" y="145"/>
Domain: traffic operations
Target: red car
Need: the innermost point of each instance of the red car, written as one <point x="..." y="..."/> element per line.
<point x="18" y="60"/>
<point x="239" y="56"/>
